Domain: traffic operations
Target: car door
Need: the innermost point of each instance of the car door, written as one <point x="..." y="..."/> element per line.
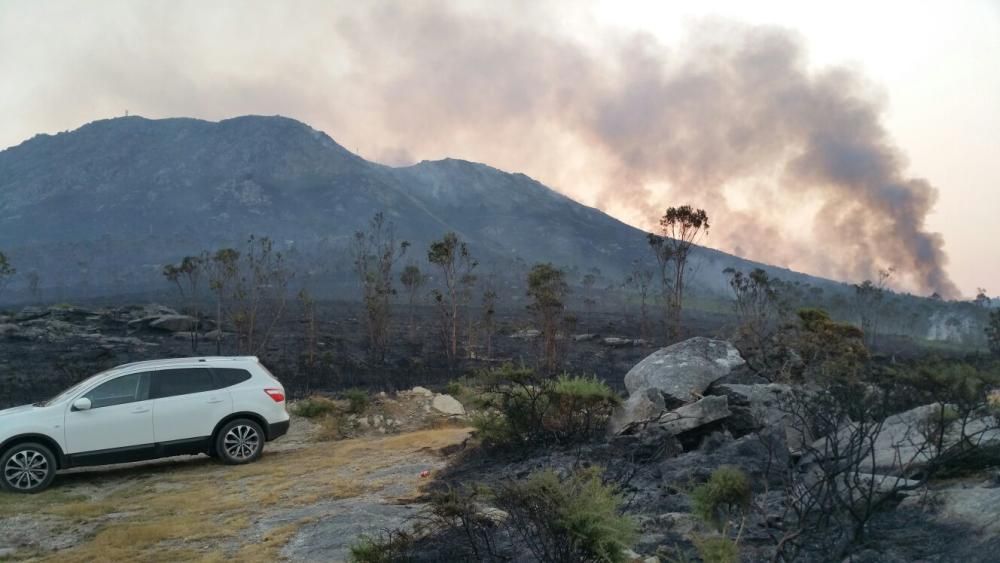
<point x="186" y="407"/>
<point x="117" y="427"/>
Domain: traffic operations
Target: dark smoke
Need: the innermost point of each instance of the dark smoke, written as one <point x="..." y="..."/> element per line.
<point x="734" y="103"/>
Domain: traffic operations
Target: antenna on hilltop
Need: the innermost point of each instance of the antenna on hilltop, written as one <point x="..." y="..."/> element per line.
<point x="126" y="113"/>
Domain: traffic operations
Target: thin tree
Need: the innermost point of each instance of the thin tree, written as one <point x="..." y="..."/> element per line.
<point x="188" y="273"/>
<point x="7" y="271"/>
<point x="34" y="285"/>
<point x="547" y="289"/>
<point x="309" y="322"/>
<point x="680" y="228"/>
<point x="982" y="299"/>
<point x="259" y="294"/>
<point x="223" y="271"/>
<point x="489" y="303"/>
<point x="413" y="280"/>
<point x="376" y="251"/>
<point x="869" y="299"/>
<point x="640" y="279"/>
<point x="993" y="332"/>
<point x="455" y="263"/>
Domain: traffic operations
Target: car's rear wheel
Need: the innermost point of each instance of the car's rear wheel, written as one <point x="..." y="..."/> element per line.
<point x="27" y="468"/>
<point x="239" y="441"/>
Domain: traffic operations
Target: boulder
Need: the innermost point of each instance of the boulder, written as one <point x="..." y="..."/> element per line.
<point x="683" y="371"/>
<point x="761" y="456"/>
<point x="215" y="334"/>
<point x="446" y="404"/>
<point x="641" y="406"/>
<point x="30" y="313"/>
<point x="695" y="415"/>
<point x="652" y="444"/>
<point x="527" y="334"/>
<point x="758" y="406"/>
<point x="174" y="323"/>
<point x="901" y="444"/>
<point x="976" y="505"/>
<point x="422" y="392"/>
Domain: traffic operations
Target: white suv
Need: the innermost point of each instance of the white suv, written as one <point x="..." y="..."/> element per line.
<point x="224" y="407"/>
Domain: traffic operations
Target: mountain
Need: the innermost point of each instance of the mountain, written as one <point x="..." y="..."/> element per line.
<point x="102" y="208"/>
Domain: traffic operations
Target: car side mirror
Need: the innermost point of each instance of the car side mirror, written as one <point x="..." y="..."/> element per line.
<point x="82" y="404"/>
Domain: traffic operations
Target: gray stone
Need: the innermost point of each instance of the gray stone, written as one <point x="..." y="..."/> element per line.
<point x="976" y="505"/>
<point x="761" y="456"/>
<point x="689" y="417"/>
<point x="174" y="323"/>
<point x="901" y="445"/>
<point x="585" y="337"/>
<point x="683" y="371"/>
<point x="30" y="313"/>
<point x="422" y="392"/>
<point x="527" y="334"/>
<point x="446" y="404"/>
<point x="643" y="405"/>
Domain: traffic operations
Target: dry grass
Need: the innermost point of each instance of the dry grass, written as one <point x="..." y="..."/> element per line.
<point x="200" y="510"/>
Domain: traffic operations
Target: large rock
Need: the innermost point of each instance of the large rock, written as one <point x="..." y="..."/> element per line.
<point x="901" y="445"/>
<point x="695" y="415"/>
<point x="762" y="457"/>
<point x="677" y="421"/>
<point x="446" y="404"/>
<point x="683" y="371"/>
<point x="671" y="377"/>
<point x="974" y="504"/>
<point x="174" y="323"/>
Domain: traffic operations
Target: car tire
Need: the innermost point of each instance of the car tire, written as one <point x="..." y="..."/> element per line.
<point x="240" y="441"/>
<point x="27" y="468"/>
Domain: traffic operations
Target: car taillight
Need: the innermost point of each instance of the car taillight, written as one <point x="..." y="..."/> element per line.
<point x="277" y="394"/>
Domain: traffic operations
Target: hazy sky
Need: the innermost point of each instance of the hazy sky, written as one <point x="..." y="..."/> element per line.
<point x="833" y="138"/>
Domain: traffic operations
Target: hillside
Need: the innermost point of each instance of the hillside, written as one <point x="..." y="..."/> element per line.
<point x="98" y="210"/>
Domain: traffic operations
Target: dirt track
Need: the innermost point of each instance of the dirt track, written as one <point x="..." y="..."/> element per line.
<point x="304" y="501"/>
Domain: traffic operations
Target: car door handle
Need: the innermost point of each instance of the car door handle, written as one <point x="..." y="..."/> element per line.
<point x="213" y="401"/>
<point x="139" y="411"/>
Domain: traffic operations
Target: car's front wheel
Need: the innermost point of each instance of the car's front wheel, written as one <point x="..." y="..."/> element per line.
<point x="239" y="441"/>
<point x="27" y="468"/>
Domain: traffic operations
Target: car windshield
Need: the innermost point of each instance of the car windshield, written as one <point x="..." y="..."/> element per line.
<point x="62" y="396"/>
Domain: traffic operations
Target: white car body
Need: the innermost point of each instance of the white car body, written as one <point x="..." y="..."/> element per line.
<point x="177" y="406"/>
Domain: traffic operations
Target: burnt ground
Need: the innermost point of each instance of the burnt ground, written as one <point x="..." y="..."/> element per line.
<point x="45" y="349"/>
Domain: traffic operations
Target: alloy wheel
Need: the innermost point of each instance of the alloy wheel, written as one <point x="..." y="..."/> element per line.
<point x="26" y="469"/>
<point x="242" y="442"/>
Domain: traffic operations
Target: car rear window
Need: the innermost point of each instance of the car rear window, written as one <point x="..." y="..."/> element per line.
<point x="227" y="377"/>
<point x="182" y="381"/>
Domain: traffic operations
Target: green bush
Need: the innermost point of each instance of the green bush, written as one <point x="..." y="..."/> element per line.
<point x="726" y="494"/>
<point x="357" y="400"/>
<point x="313" y="407"/>
<point x="580" y="406"/>
<point x="524" y="409"/>
<point x="576" y="519"/>
<point x="387" y="548"/>
<point x="717" y="549"/>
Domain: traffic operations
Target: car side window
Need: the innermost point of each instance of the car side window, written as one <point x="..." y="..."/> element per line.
<point x="183" y="381"/>
<point x="119" y="391"/>
<point x="227" y="377"/>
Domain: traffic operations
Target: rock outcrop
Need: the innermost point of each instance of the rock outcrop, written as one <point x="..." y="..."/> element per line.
<point x="683" y="371"/>
<point x="672" y="377"/>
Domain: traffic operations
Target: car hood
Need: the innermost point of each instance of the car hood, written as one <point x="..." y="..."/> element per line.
<point x="17" y="410"/>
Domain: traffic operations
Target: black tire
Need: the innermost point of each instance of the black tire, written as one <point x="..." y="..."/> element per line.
<point x="240" y="441"/>
<point x="27" y="468"/>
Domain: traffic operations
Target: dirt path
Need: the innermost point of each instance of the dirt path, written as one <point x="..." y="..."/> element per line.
<point x="304" y="501"/>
